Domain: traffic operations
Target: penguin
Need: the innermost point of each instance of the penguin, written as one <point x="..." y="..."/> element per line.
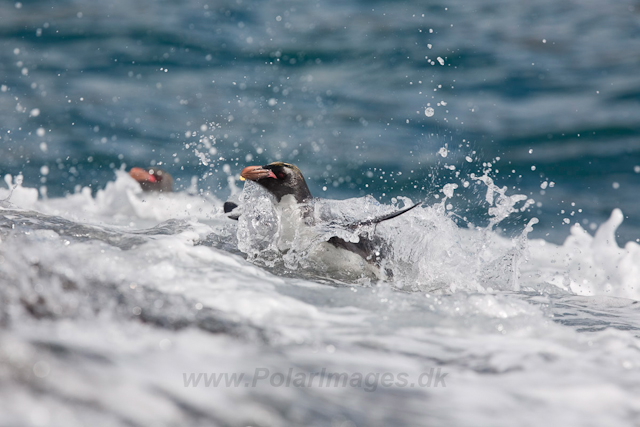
<point x="280" y="179"/>
<point x="152" y="179"/>
<point x="286" y="183"/>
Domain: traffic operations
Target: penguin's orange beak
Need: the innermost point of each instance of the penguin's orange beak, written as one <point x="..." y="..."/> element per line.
<point x="141" y="175"/>
<point x="254" y="173"/>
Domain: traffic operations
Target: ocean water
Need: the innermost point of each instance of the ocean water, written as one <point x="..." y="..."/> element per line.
<point x="508" y="298"/>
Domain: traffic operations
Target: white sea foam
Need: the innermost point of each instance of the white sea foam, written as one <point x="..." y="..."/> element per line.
<point x="98" y="310"/>
<point x="427" y="250"/>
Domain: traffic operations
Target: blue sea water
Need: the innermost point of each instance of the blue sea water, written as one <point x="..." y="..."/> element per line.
<point x="338" y="88"/>
<point x="382" y="98"/>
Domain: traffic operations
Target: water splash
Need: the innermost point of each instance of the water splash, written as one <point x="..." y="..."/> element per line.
<point x="422" y="250"/>
<point x="17" y="194"/>
<point x="587" y="265"/>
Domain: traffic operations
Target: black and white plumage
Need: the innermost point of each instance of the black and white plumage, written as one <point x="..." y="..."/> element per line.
<point x="283" y="180"/>
<point x="280" y="179"/>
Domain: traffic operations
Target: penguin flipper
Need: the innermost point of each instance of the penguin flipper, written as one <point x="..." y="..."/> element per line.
<point x="371" y="249"/>
<point x="379" y="219"/>
<point x="228" y="207"/>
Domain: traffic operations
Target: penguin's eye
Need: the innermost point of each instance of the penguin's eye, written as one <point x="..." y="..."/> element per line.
<point x="281" y="175"/>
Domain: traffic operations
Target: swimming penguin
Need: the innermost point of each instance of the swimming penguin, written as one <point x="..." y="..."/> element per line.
<point x="286" y="183"/>
<point x="152" y="179"/>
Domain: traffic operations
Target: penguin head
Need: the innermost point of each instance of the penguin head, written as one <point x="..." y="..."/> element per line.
<point x="280" y="179"/>
<point x="152" y="179"/>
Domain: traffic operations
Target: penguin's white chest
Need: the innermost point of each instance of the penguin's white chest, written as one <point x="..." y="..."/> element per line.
<point x="291" y="227"/>
<point x="297" y="237"/>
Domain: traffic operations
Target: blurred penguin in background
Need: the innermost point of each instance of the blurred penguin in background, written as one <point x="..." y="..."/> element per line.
<point x="152" y="179"/>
